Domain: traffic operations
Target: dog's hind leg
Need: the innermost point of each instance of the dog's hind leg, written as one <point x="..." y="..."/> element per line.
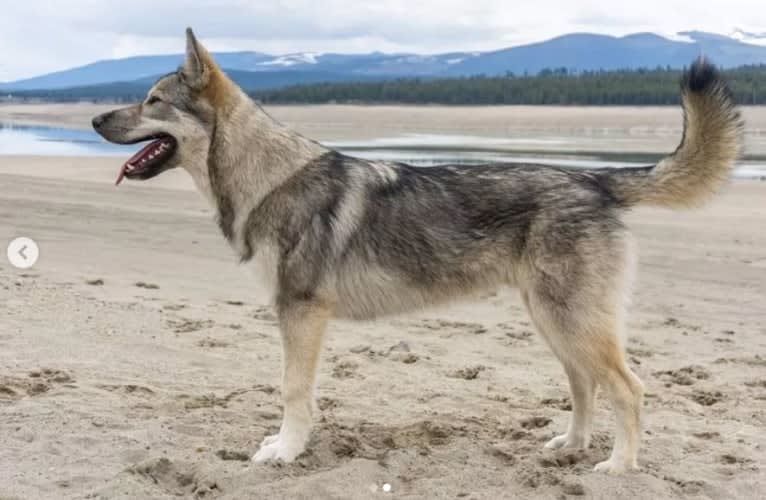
<point x="576" y="302"/>
<point x="302" y="327"/>
<point x="582" y="383"/>
<point x="592" y="355"/>
<point x="625" y="391"/>
<point x="583" y="390"/>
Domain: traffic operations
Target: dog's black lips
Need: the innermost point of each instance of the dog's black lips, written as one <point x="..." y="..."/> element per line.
<point x="151" y="160"/>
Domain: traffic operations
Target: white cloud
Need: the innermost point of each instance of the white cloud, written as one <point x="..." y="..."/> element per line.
<point x="38" y="36"/>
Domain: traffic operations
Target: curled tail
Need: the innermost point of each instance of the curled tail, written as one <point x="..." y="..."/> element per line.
<point x="702" y="163"/>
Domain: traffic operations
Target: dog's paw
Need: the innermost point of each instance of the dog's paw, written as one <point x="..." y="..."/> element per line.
<point x="269" y="440"/>
<point x="564" y="441"/>
<point x="557" y="442"/>
<point x="613" y="466"/>
<point x="277" y="448"/>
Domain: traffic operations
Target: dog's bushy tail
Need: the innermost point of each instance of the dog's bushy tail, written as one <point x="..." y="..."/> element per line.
<point x="702" y="163"/>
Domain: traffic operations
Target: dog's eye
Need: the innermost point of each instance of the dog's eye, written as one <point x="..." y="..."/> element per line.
<point x="153" y="100"/>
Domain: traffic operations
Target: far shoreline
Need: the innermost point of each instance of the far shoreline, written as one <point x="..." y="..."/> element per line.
<point x="640" y="132"/>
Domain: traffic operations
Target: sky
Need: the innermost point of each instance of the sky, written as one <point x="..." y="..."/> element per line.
<point x="39" y="36"/>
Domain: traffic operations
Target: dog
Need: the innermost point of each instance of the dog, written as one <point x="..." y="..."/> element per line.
<point x="333" y="236"/>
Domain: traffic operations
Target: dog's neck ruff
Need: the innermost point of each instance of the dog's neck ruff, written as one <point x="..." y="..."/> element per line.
<point x="250" y="156"/>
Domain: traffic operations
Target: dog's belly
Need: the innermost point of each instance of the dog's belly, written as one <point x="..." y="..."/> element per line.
<point x="374" y="292"/>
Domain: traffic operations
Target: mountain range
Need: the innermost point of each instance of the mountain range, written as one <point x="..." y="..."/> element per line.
<point x="576" y="52"/>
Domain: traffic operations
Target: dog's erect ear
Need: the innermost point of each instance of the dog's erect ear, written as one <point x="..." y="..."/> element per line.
<point x="198" y="65"/>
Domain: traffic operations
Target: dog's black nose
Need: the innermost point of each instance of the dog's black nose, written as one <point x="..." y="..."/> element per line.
<point x="98" y="121"/>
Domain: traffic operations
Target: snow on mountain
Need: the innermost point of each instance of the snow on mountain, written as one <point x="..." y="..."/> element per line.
<point x="292" y="59"/>
<point x="677" y="37"/>
<point x="748" y="37"/>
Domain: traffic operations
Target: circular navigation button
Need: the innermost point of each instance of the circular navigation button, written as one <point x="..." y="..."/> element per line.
<point x="23" y="253"/>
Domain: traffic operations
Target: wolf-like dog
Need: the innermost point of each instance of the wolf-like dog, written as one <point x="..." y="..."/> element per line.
<point x="336" y="236"/>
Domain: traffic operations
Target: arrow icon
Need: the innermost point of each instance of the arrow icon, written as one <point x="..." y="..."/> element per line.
<point x="23" y="253"/>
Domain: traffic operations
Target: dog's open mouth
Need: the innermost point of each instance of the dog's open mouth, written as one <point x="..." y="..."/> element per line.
<point x="150" y="161"/>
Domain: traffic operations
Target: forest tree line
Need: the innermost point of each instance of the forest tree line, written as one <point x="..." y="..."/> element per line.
<point x="550" y="87"/>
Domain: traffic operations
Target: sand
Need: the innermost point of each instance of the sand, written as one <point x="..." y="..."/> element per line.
<point x="138" y="360"/>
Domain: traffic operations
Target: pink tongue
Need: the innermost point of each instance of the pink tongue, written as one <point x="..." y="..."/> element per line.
<point x="136" y="159"/>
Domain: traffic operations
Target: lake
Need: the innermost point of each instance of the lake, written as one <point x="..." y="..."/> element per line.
<point x="416" y="149"/>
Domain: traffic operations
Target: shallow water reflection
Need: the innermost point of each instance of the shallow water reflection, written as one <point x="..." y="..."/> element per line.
<point x="416" y="149"/>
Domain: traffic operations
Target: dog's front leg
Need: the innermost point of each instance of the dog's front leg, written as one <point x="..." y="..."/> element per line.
<point x="302" y="327"/>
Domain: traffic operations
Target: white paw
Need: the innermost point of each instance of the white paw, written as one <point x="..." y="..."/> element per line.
<point x="269" y="439"/>
<point x="277" y="448"/>
<point x="613" y="466"/>
<point x="564" y="441"/>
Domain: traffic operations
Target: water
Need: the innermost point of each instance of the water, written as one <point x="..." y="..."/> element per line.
<point x="51" y="141"/>
<point x="416" y="149"/>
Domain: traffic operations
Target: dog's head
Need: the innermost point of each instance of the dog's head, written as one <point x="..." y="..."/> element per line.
<point x="177" y="118"/>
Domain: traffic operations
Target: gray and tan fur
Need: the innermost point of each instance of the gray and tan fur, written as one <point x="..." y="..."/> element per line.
<point x="335" y="236"/>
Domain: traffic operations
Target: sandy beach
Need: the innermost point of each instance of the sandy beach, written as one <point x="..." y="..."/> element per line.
<point x="138" y="360"/>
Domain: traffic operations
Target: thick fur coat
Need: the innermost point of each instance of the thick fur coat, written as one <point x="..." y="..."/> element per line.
<point x="335" y="236"/>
